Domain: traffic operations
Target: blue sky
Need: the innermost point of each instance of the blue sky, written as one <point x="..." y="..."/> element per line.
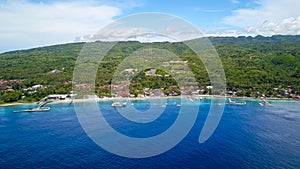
<point x="33" y="23"/>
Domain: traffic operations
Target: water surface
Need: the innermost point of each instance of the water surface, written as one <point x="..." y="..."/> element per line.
<point x="248" y="136"/>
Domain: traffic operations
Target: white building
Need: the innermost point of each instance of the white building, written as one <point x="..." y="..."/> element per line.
<point x="57" y="96"/>
<point x="209" y="87"/>
<point x="37" y="87"/>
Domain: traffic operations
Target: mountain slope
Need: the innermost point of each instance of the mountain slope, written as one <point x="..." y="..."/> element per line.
<point x="251" y="65"/>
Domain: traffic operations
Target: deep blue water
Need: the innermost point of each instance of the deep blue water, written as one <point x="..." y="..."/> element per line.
<point x="248" y="136"/>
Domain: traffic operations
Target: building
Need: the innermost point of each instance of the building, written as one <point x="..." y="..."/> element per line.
<point x="209" y="87"/>
<point x="37" y="87"/>
<point x="151" y="72"/>
<point x="130" y="71"/>
<point x="57" y="96"/>
<point x="178" y="62"/>
<point x="165" y="64"/>
<point x="54" y="71"/>
<point x="10" y="90"/>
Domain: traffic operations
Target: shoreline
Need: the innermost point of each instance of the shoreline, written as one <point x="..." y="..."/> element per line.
<point x="16" y="104"/>
<point x="142" y="98"/>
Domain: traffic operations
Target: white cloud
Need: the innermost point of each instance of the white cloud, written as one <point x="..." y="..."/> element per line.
<point x="144" y="34"/>
<point x="222" y="33"/>
<point x="268" y="18"/>
<point x="26" y="24"/>
<point x="235" y="1"/>
<point x="144" y="27"/>
<point x="289" y="26"/>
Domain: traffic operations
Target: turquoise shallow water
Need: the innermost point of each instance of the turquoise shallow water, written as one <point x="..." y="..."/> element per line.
<point x="248" y="136"/>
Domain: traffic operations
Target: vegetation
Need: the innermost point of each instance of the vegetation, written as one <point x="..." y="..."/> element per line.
<point x="253" y="66"/>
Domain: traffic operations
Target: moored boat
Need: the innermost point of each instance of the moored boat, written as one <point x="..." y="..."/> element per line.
<point x="236" y="103"/>
<point x="265" y="103"/>
<point x="118" y="104"/>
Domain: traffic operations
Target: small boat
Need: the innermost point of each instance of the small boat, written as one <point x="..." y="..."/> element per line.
<point x="118" y="104"/>
<point x="190" y="98"/>
<point x="265" y="103"/>
<point x="38" y="109"/>
<point x="236" y="103"/>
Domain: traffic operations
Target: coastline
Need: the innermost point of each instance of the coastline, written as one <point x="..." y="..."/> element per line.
<point x="16" y="104"/>
<point x="142" y="98"/>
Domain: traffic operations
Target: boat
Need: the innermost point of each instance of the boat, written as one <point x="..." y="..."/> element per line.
<point x="190" y="98"/>
<point x="118" y="104"/>
<point x="265" y="103"/>
<point x="38" y="109"/>
<point x="236" y="103"/>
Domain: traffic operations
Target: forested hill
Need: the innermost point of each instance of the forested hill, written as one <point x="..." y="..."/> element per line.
<point x="253" y="65"/>
<point x="259" y="38"/>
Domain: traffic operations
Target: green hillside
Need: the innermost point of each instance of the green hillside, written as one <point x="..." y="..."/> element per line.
<point x="253" y="66"/>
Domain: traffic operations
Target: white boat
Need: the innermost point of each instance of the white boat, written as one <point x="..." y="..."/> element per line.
<point x="190" y="98"/>
<point x="236" y="103"/>
<point x="38" y="109"/>
<point x="265" y="103"/>
<point x="118" y="104"/>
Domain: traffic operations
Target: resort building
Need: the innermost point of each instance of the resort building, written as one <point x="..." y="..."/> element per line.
<point x="57" y="96"/>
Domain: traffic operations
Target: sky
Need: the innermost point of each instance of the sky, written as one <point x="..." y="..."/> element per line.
<point x="33" y="23"/>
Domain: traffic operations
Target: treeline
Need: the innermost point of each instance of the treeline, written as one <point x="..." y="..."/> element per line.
<point x="253" y="66"/>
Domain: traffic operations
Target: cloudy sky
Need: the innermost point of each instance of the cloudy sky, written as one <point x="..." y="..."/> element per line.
<point x="32" y="23"/>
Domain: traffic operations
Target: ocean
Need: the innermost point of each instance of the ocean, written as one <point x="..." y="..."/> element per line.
<point x="249" y="136"/>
